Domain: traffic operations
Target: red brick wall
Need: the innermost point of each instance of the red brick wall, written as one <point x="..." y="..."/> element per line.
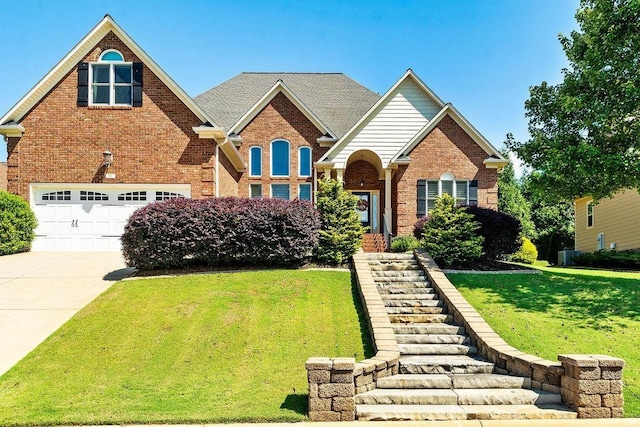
<point x="363" y="171"/>
<point x="447" y="148"/>
<point x="280" y="119"/>
<point x="154" y="143"/>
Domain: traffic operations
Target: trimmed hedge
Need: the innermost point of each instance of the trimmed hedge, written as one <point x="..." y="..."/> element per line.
<point x="17" y="222"/>
<point x="404" y="244"/>
<point x="610" y="259"/>
<point x="501" y="232"/>
<point x="220" y="231"/>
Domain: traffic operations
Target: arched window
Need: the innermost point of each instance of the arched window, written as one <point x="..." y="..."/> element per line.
<point x="304" y="161"/>
<point x="255" y="161"/>
<point x="111" y="80"/>
<point x="280" y="158"/>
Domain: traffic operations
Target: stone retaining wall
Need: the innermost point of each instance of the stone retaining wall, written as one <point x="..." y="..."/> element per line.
<point x="589" y="384"/>
<point x="329" y="389"/>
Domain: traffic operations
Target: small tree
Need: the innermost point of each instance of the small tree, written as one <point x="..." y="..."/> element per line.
<point x="340" y="231"/>
<point x="17" y="222"/>
<point x="450" y="234"/>
<point x="511" y="200"/>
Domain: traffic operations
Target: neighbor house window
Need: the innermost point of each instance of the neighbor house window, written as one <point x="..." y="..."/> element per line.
<point x="255" y="161"/>
<point x="304" y="161"/>
<point x="280" y="191"/>
<point x="464" y="192"/>
<point x="111" y="80"/>
<point x="280" y="158"/>
<point x="589" y="214"/>
<point x="255" y="191"/>
<point x="304" y="192"/>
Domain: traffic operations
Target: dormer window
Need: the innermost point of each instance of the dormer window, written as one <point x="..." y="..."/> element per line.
<point x="110" y="81"/>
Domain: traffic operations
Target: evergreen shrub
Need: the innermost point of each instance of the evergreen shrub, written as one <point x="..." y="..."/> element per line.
<point x="17" y="224"/>
<point x="220" y="231"/>
<point x="404" y="243"/>
<point x="528" y="253"/>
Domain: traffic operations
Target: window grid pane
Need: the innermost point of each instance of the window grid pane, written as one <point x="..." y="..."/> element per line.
<point x="280" y="158"/>
<point x="305" y="162"/>
<point x="280" y="191"/>
<point x="304" y="192"/>
<point x="255" y="191"/>
<point x="447" y="188"/>
<point x="461" y="192"/>
<point x="256" y="161"/>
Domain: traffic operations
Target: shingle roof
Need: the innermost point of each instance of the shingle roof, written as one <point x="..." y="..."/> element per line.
<point x="338" y="101"/>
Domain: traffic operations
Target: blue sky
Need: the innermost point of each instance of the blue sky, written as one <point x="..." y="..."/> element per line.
<point x="480" y="55"/>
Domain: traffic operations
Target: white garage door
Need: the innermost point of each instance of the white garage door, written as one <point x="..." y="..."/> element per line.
<point x="90" y="217"/>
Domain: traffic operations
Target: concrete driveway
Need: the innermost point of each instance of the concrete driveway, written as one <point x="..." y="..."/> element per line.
<point x="39" y="291"/>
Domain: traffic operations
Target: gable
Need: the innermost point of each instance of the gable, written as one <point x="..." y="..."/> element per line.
<point x="391" y="124"/>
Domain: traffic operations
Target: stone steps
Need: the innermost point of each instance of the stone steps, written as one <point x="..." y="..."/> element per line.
<point x="468" y="396"/>
<point x="440" y="378"/>
<point x="437" y="349"/>
<point x="460" y="412"/>
<point x="453" y="381"/>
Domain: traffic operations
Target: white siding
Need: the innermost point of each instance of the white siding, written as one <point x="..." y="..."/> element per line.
<point x="407" y="110"/>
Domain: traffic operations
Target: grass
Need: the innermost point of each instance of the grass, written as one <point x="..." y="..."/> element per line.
<point x="190" y="349"/>
<point x="564" y="310"/>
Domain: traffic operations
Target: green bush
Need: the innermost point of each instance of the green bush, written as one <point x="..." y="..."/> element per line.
<point x="17" y="222"/>
<point x="528" y="253"/>
<point x="610" y="259"/>
<point x="404" y="244"/>
<point x="450" y="235"/>
<point x="340" y="231"/>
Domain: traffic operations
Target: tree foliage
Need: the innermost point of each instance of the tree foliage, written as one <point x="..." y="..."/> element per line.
<point x="341" y="231"/>
<point x="17" y="224"/>
<point x="585" y="131"/>
<point x="450" y="235"/>
<point x="511" y="200"/>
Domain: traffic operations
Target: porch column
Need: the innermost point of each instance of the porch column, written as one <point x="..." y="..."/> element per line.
<point x="388" y="211"/>
<point x="339" y="173"/>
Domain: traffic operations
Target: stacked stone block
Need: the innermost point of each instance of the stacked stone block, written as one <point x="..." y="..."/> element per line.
<point x="592" y="385"/>
<point x="331" y="388"/>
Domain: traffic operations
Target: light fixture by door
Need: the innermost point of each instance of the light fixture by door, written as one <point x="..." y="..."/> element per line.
<point x="107" y="158"/>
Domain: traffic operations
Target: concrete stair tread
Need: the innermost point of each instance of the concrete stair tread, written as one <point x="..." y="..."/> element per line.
<point x="455" y="381"/>
<point x="413" y="302"/>
<point x="416" y="310"/>
<point x="429" y="328"/>
<point x="437" y="349"/>
<point x="427" y="364"/>
<point x="418" y="293"/>
<point x="460" y="412"/>
<point x="420" y="318"/>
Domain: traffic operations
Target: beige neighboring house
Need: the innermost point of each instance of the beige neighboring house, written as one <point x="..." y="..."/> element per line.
<point x="3" y="176"/>
<point x="611" y="224"/>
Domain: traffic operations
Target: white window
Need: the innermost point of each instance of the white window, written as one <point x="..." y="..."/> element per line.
<point x="280" y="191"/>
<point x="167" y="195"/>
<point x="304" y="161"/>
<point x="57" y="196"/>
<point x="255" y="191"/>
<point x="93" y="196"/>
<point x="280" y="158"/>
<point x="133" y="196"/>
<point x="111" y="80"/>
<point x="463" y="191"/>
<point x="255" y="161"/>
<point x="304" y="192"/>
<point x="589" y="214"/>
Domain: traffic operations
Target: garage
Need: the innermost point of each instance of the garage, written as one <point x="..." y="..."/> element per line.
<point x="91" y="217"/>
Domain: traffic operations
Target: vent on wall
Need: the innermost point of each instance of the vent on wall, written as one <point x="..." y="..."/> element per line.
<point x="600" y="240"/>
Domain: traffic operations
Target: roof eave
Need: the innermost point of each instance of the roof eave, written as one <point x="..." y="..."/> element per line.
<point x="493" y="163"/>
<point x="12" y="130"/>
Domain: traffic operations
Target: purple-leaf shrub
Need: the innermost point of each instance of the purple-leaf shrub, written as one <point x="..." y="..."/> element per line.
<point x="220" y="231"/>
<point x="501" y="232"/>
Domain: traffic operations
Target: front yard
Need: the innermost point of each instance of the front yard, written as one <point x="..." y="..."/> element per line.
<point x="564" y="310"/>
<point x="197" y="348"/>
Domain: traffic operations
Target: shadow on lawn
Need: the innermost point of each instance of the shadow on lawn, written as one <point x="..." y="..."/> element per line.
<point x="298" y="403"/>
<point x="362" y="319"/>
<point x="594" y="301"/>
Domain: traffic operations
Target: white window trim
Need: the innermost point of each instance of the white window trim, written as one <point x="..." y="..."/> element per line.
<point x="593" y="216"/>
<point x="251" y="162"/>
<point x="310" y="191"/>
<point x="279" y="183"/>
<point x="300" y="162"/>
<point x="112" y="80"/>
<point x="447" y="176"/>
<point x="288" y="159"/>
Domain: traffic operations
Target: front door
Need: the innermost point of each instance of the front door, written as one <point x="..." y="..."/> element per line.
<point x="363" y="207"/>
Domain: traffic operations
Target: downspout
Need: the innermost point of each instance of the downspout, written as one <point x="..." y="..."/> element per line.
<point x="217" y="192"/>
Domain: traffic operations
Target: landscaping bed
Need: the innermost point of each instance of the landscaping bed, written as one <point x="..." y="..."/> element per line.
<point x="189" y="349"/>
<point x="564" y="311"/>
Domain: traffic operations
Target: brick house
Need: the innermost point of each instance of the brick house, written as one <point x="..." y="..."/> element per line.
<point x="107" y="131"/>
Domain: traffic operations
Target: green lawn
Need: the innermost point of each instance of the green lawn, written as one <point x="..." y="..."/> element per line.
<point x="196" y="348"/>
<point x="564" y="310"/>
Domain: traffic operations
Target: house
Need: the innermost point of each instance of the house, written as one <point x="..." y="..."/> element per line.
<point x="609" y="224"/>
<point x="107" y="131"/>
<point x="3" y="176"/>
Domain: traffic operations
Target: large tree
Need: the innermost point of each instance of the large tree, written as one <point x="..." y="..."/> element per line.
<point x="585" y="131"/>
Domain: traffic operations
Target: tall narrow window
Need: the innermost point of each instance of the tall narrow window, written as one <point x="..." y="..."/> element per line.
<point x="461" y="192"/>
<point x="280" y="158"/>
<point x="111" y="80"/>
<point x="589" y="214"/>
<point x="304" y="162"/>
<point x="304" y="192"/>
<point x="255" y="161"/>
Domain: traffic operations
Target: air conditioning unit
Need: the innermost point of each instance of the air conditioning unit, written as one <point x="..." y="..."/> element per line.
<point x="566" y="257"/>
